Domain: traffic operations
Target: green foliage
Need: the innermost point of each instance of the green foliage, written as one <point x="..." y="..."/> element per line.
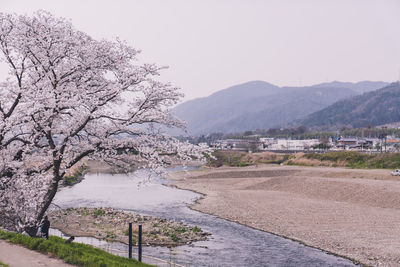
<point x="234" y="159"/>
<point x="360" y="160"/>
<point x="111" y="235"/>
<point x="243" y="159"/>
<point x="350" y="159"/>
<point x="74" y="253"/>
<point x="76" y="177"/>
<point x="3" y="264"/>
<point x="174" y="238"/>
<point x="182" y="229"/>
<point x="196" y="229"/>
<point x="98" y="212"/>
<point x="321" y="146"/>
<point x="276" y="159"/>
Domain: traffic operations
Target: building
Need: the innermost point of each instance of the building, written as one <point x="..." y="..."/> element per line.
<point x="294" y="145"/>
<point x="356" y="144"/>
<point x="249" y="145"/>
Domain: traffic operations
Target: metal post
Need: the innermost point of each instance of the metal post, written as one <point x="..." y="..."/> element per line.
<point x="140" y="243"/>
<point x="130" y="241"/>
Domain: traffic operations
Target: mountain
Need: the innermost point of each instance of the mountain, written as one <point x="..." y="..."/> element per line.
<point x="374" y="108"/>
<point x="203" y="114"/>
<point x="261" y="105"/>
<point x="359" y="87"/>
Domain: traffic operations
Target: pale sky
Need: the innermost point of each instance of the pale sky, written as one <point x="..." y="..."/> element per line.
<point x="211" y="45"/>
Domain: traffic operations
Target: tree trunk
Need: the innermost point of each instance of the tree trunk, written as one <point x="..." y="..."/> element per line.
<point x="48" y="198"/>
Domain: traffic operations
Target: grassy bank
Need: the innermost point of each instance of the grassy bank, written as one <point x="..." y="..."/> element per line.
<point x="74" y="253"/>
<point x="242" y="159"/>
<point x="349" y="159"/>
<point x="75" y="176"/>
<point x="3" y="265"/>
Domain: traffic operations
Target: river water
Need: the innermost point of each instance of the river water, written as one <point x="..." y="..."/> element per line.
<point x="230" y="244"/>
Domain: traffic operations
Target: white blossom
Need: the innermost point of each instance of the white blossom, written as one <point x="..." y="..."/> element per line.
<point x="69" y="96"/>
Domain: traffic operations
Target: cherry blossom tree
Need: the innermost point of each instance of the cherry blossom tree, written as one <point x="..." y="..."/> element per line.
<point x="67" y="97"/>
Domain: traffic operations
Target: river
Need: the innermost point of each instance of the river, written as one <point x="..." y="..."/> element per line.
<point x="230" y="244"/>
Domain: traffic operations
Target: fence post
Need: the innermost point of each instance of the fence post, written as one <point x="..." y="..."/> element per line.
<point x="130" y="241"/>
<point x="140" y="243"/>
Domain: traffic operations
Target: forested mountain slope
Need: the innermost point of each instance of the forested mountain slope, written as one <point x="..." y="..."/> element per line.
<point x="374" y="108"/>
<point x="261" y="105"/>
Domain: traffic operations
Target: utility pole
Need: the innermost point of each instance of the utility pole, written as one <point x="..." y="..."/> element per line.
<point x="383" y="135"/>
<point x="385" y="143"/>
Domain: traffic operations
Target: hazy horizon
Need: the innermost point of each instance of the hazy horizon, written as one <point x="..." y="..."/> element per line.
<point x="212" y="45"/>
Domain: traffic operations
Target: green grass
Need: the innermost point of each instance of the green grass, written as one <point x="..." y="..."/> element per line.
<point x="3" y="264"/>
<point x="74" y="253"/>
<point x="99" y="212"/>
<point x="110" y="235"/>
<point x="196" y="229"/>
<point x="233" y="159"/>
<point x="243" y="159"/>
<point x="174" y="238"/>
<point x="360" y="160"/>
<point x="351" y="159"/>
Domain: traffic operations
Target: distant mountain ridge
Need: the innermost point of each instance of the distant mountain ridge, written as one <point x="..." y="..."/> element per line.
<point x="360" y="87"/>
<point x="261" y="105"/>
<point x="375" y="108"/>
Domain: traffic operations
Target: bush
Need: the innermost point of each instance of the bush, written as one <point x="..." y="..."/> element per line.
<point x="197" y="229"/>
<point x="174" y="238"/>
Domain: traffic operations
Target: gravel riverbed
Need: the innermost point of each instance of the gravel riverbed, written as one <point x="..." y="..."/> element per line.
<point x="349" y="212"/>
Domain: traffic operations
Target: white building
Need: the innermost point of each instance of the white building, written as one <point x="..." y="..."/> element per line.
<point x="287" y="144"/>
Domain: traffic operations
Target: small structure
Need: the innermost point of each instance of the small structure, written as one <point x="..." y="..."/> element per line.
<point x="293" y="145"/>
<point x="249" y="145"/>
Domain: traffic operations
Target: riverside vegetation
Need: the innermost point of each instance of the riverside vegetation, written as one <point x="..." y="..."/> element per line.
<point x="74" y="253"/>
<point x="242" y="159"/>
<point x="349" y="159"/>
<point x="75" y="176"/>
<point x="112" y="225"/>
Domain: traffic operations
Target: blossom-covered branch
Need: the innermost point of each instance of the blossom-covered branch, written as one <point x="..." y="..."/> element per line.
<point x="69" y="96"/>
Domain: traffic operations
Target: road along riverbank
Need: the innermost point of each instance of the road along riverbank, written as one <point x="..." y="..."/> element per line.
<point x="348" y="212"/>
<point x="18" y="256"/>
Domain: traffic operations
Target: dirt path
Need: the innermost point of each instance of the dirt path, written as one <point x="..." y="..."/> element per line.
<point x="17" y="256"/>
<point x="354" y="213"/>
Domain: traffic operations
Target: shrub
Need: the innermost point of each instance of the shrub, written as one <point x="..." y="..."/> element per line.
<point x="98" y="212"/>
<point x="196" y="229"/>
<point x="174" y="238"/>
